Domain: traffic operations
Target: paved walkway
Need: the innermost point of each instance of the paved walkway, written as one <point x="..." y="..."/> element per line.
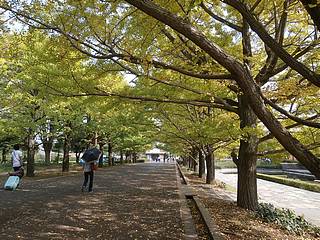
<point x="138" y="201"/>
<point x="303" y="202"/>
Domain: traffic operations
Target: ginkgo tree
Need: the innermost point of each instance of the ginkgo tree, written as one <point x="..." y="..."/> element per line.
<point x="240" y="45"/>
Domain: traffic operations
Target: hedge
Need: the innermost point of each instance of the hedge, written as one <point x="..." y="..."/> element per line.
<point x="315" y="187"/>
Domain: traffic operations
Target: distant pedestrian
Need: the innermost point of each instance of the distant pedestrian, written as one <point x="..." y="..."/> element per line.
<point x="16" y="157"/>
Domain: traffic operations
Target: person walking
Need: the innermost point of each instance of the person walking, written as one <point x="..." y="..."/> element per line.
<point x="16" y="157"/>
<point x="88" y="171"/>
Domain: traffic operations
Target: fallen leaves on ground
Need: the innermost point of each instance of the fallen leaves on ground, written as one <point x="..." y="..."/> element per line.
<point x="236" y="223"/>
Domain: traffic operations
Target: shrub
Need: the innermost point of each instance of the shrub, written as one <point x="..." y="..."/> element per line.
<point x="286" y="218"/>
<point x="315" y="187"/>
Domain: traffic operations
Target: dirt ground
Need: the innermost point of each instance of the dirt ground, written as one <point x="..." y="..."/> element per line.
<point x="236" y="223"/>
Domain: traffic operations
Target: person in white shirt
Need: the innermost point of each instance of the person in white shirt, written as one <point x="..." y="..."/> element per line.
<point x="16" y="157"/>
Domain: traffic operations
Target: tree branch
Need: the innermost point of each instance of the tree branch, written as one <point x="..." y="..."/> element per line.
<point x="290" y="116"/>
<point x="220" y="19"/>
<point x="257" y="27"/>
<point x="270" y="136"/>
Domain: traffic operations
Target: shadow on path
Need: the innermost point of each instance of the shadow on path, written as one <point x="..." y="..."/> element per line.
<point x="138" y="201"/>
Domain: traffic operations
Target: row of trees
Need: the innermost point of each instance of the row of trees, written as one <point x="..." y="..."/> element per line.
<point x="241" y="73"/>
<point x="33" y="114"/>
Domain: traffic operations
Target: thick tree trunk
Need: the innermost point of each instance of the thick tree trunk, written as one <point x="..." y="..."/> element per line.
<point x="210" y="164"/>
<point x="47" y="156"/>
<point x="202" y="167"/>
<point x="66" y="150"/>
<point x="247" y="183"/>
<point x="47" y="145"/>
<point x="30" y="154"/>
<point x="243" y="79"/>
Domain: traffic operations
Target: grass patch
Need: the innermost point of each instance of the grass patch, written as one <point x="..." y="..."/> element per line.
<point x="268" y="165"/>
<point x="219" y="164"/>
<point x="314" y="187"/>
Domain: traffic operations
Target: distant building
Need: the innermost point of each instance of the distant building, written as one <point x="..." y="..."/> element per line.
<point x="156" y="154"/>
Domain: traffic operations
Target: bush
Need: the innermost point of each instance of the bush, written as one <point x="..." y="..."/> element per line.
<point x="291" y="182"/>
<point x="220" y="164"/>
<point x="286" y="218"/>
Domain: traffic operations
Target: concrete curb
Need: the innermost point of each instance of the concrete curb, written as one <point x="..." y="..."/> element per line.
<point x="211" y="226"/>
<point x="190" y="232"/>
<point x="213" y="230"/>
<point x="185" y="179"/>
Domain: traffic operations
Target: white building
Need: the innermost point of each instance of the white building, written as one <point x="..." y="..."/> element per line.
<point x="155" y="154"/>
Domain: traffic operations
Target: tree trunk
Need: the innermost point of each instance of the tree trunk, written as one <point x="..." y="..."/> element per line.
<point x="58" y="156"/>
<point x="121" y="157"/>
<point x="184" y="161"/>
<point x="202" y="167"/>
<point x="210" y="165"/>
<point x="194" y="159"/>
<point x="110" y="160"/>
<point x="134" y="156"/>
<point x="30" y="154"/>
<point x="66" y="150"/>
<point x="47" y="145"/>
<point x="243" y="79"/>
<point x="127" y="157"/>
<point x="78" y="156"/>
<point x="47" y="141"/>
<point x="101" y="145"/>
<point x="247" y="183"/>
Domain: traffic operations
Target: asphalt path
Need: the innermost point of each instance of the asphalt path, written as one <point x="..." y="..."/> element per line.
<point x="137" y="201"/>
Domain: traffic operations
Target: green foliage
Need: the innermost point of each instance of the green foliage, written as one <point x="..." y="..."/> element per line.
<point x="291" y="182"/>
<point x="286" y="218"/>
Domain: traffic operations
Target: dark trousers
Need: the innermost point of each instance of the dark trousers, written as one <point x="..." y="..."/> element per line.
<point x="16" y="168"/>
<point x="86" y="177"/>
